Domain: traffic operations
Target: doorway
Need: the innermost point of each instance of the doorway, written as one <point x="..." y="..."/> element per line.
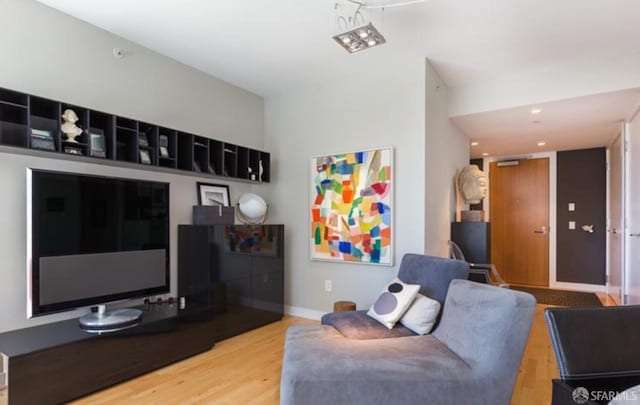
<point x="519" y="212"/>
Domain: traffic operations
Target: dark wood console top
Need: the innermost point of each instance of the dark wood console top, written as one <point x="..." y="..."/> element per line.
<point x="32" y="339"/>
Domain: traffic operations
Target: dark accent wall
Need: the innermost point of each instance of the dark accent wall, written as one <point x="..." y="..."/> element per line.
<point x="582" y="179"/>
<point x="480" y="205"/>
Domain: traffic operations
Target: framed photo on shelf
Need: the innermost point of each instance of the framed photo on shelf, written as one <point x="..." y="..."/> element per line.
<point x="164" y="146"/>
<point x="97" y="146"/>
<point x="213" y="194"/>
<point x="145" y="158"/>
<point x="42" y="139"/>
<point x="143" y="141"/>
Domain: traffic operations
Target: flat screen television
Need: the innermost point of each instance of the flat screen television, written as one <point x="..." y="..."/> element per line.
<point x="93" y="240"/>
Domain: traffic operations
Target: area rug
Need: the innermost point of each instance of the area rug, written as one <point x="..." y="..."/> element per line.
<point x="561" y="297"/>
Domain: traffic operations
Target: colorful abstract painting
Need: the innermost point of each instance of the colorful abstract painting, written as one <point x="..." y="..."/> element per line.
<point x="352" y="207"/>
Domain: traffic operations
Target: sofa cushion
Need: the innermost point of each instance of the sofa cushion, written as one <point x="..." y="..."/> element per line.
<point x="421" y="315"/>
<point x="358" y="325"/>
<point x="433" y="274"/>
<point x="322" y="367"/>
<point x="393" y="302"/>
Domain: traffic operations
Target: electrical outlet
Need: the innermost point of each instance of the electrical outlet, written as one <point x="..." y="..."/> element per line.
<point x="572" y="207"/>
<point x="328" y="286"/>
<point x="572" y="225"/>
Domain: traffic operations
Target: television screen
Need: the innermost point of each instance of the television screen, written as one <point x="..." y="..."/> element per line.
<point x="94" y="240"/>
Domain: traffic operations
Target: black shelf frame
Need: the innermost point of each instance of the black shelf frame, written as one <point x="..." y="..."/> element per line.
<point x="188" y="154"/>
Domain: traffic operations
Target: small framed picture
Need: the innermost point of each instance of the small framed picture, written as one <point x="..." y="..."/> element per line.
<point x="97" y="147"/>
<point x="143" y="141"/>
<point x="145" y="158"/>
<point x="213" y="194"/>
<point x="164" y="146"/>
<point x="42" y="139"/>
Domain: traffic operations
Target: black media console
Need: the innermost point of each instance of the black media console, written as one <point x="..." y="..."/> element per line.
<point x="232" y="277"/>
<point x="57" y="362"/>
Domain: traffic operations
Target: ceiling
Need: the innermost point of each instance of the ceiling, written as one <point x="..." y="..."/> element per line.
<point x="579" y="123"/>
<point x="270" y="46"/>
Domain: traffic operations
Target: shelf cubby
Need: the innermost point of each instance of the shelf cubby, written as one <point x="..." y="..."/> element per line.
<point x="148" y="143"/>
<point x="13" y="97"/>
<point x="230" y="160"/>
<point x="265" y="164"/>
<point x="171" y="145"/>
<point x="185" y="151"/>
<point x="201" y="155"/>
<point x="14" y="124"/>
<point x="82" y="123"/>
<point x="104" y="123"/>
<point x="242" y="164"/>
<point x="216" y="156"/>
<point x="44" y="115"/>
<point x="168" y="149"/>
<point x="254" y="165"/>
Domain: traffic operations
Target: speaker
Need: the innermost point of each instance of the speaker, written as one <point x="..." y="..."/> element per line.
<point x="194" y="266"/>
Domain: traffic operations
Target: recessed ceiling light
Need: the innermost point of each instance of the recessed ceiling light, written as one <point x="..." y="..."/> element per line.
<point x="536" y="111"/>
<point x="485" y="154"/>
<point x="474" y="143"/>
<point x="542" y="143"/>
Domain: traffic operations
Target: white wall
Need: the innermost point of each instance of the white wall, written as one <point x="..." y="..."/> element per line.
<point x="354" y="112"/>
<point x="51" y="54"/>
<point x="447" y="151"/>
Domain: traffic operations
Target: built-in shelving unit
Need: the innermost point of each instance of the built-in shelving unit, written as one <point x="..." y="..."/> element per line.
<point x="25" y="120"/>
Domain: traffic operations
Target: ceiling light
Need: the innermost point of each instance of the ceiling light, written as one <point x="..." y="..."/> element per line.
<point x="360" y="38"/>
<point x="535" y="122"/>
<point x="485" y="154"/>
<point x="542" y="143"/>
<point x="536" y="111"/>
<point x="354" y="21"/>
<point x="474" y="143"/>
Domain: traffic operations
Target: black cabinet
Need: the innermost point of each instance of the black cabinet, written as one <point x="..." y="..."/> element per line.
<point x="474" y="239"/>
<point x="32" y="122"/>
<point x="236" y="269"/>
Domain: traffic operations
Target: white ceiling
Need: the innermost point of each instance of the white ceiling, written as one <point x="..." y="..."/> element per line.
<point x="271" y="47"/>
<point x="579" y="123"/>
<point x="268" y="46"/>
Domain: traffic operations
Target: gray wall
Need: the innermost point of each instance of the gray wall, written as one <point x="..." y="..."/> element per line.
<point x="48" y="53"/>
<point x="447" y="151"/>
<point x="382" y="107"/>
<point x="582" y="180"/>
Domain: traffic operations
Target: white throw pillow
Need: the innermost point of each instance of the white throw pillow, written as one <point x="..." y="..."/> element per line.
<point x="421" y="315"/>
<point x="393" y="302"/>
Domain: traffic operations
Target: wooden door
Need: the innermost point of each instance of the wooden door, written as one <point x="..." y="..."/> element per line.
<point x="519" y="215"/>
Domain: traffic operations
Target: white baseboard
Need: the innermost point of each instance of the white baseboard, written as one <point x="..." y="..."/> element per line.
<point x="303" y="312"/>
<point x="558" y="285"/>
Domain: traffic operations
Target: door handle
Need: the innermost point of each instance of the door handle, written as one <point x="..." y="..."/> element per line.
<point x="634" y="235"/>
<point x="542" y="230"/>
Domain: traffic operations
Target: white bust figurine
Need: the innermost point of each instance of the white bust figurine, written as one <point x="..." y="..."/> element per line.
<point x="69" y="127"/>
<point x="472" y="183"/>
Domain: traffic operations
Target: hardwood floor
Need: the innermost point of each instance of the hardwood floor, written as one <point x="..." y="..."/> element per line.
<point x="246" y="369"/>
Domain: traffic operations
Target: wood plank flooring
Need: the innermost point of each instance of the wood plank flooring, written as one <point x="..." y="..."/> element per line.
<point x="246" y="370"/>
